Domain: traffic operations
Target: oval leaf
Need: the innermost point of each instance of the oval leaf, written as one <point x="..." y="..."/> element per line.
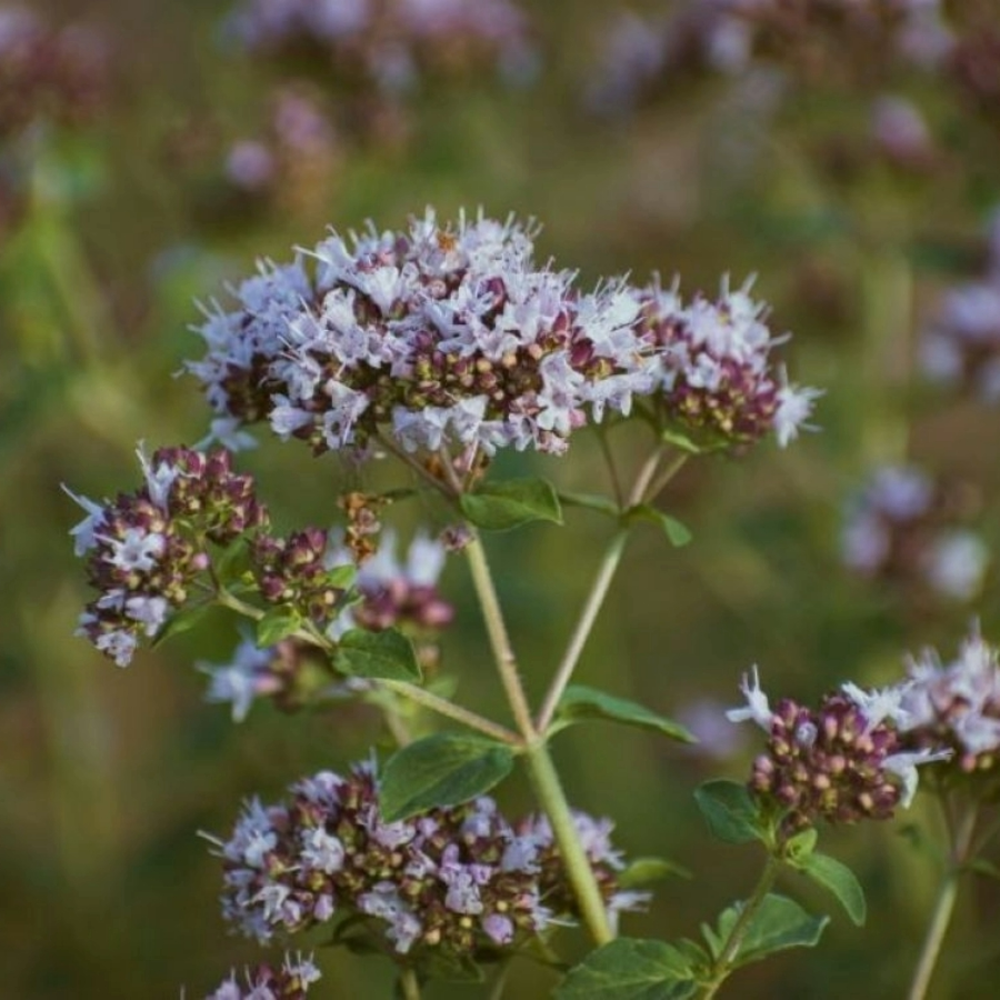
<point x="630" y="969"/>
<point x="277" y="624"/>
<point x="385" y="655"/>
<point x="580" y="702"/>
<point x="779" y="923"/>
<point x="642" y="871"/>
<point x="839" y="879"/>
<point x="511" y="503"/>
<point x="184" y="620"/>
<point x="677" y="533"/>
<point x="442" y="770"/>
<point x="729" y="811"/>
<point x="591" y="501"/>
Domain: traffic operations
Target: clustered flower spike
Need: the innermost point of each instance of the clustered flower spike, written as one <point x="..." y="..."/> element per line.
<point x="449" y="881"/>
<point x="452" y="337"/>
<point x="842" y="762"/>
<point x="956" y="705"/>
<point x="145" y="549"/>
<point x="289" y="982"/>
<point x="903" y="527"/>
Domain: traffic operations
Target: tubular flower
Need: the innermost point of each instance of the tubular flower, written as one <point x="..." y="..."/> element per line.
<point x="449" y="880"/>
<point x="842" y="762"/>
<point x="291" y="981"/>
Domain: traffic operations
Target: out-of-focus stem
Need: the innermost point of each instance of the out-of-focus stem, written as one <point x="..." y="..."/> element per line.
<point x="409" y="984"/>
<point x="944" y="906"/>
<point x="415" y="693"/>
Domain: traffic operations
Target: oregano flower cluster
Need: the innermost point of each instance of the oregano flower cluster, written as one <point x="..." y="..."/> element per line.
<point x="842" y="762"/>
<point x="453" y="337"/>
<point x="289" y="981"/>
<point x="957" y="705"/>
<point x="149" y="551"/>
<point x="452" y="880"/>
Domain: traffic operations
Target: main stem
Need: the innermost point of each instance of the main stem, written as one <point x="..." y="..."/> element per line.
<point x="409" y="984"/>
<point x="722" y="965"/>
<point x="544" y="777"/>
<point x="944" y="907"/>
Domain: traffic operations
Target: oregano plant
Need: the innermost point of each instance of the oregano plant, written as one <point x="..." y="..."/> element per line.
<point x="423" y="353"/>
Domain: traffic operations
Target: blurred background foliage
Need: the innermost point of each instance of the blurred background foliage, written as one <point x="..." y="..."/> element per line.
<point x="112" y="225"/>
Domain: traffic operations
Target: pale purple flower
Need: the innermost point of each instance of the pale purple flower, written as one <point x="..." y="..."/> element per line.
<point x="757" y="708"/>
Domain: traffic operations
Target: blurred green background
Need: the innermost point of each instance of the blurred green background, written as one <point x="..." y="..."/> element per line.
<point x="106" y="775"/>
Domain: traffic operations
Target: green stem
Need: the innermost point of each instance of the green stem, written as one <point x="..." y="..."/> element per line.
<point x="944" y="906"/>
<point x="602" y="583"/>
<point x="722" y="966"/>
<point x="415" y="693"/>
<point x="641" y="491"/>
<point x="473" y="720"/>
<point x="409" y="984"/>
<point x="548" y="789"/>
<point x="503" y="653"/>
<point x="544" y="777"/>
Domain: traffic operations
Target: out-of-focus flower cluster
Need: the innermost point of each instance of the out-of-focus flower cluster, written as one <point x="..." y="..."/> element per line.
<point x="449" y="881"/>
<point x="842" y="762"/>
<point x="962" y="346"/>
<point x="48" y="73"/>
<point x="289" y="982"/>
<point x="823" y="41"/>
<point x="904" y="528"/>
<point x="956" y="704"/>
<point x="452" y="336"/>
<point x="293" y="164"/>
<point x="392" y="595"/>
<point x="389" y="45"/>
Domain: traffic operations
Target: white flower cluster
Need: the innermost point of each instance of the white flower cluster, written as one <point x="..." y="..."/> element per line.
<point x="957" y="703"/>
<point x="453" y="337"/>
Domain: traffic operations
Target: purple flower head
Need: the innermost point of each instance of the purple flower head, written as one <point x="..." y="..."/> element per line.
<point x="449" y="880"/>
<point x="145" y="549"/>
<point x="842" y="762"/>
<point x="452" y="338"/>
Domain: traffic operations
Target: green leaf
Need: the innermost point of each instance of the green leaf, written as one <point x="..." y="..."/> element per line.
<point x="839" y="879"/>
<point x="442" y="770"/>
<point x="591" y="501"/>
<point x="630" y="969"/>
<point x="980" y="866"/>
<point x="729" y="811"/>
<point x="452" y="968"/>
<point x="779" y="923"/>
<point x="579" y="703"/>
<point x="679" y="440"/>
<point x="642" y="871"/>
<point x="233" y="562"/>
<point x="385" y="655"/>
<point x="342" y="577"/>
<point x="279" y="623"/>
<point x="678" y="534"/>
<point x="184" y="620"/>
<point x="801" y="846"/>
<point x="511" y="503"/>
